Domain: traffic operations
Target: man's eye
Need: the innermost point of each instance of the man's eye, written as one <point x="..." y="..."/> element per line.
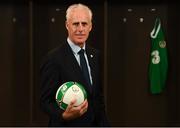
<point x="84" y="24"/>
<point x="75" y="24"/>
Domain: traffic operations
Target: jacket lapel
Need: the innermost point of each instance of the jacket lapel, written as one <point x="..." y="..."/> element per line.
<point x="71" y="61"/>
<point x="91" y="59"/>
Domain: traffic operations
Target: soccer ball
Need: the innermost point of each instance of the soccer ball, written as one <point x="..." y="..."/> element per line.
<point x="69" y="91"/>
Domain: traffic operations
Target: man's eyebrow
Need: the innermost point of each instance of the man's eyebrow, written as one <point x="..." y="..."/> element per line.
<point x="76" y="23"/>
<point x="84" y="22"/>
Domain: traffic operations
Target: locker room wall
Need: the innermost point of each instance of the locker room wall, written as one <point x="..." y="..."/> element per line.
<point x="134" y="103"/>
<point x="29" y="29"/>
<point x="14" y="66"/>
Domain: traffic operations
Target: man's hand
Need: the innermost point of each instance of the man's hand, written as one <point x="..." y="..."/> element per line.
<point x="73" y="112"/>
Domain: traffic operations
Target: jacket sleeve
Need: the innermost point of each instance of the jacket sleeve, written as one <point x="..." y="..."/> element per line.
<point x="49" y="84"/>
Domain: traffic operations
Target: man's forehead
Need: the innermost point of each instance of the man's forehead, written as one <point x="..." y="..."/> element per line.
<point x="80" y="17"/>
<point x="80" y="14"/>
<point x="79" y="20"/>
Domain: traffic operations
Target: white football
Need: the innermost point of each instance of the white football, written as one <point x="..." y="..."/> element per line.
<point x="69" y="91"/>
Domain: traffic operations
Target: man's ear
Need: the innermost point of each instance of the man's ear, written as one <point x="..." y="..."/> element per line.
<point x="90" y="27"/>
<point x="66" y="24"/>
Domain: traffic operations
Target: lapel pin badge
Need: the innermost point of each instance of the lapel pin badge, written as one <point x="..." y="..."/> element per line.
<point x="91" y="56"/>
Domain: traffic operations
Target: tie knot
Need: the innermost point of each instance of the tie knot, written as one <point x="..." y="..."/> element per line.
<point x="81" y="51"/>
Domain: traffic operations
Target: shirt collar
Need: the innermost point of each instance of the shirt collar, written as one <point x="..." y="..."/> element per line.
<point x="75" y="48"/>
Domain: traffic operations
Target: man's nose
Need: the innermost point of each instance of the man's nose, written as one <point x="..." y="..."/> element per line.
<point x="80" y="27"/>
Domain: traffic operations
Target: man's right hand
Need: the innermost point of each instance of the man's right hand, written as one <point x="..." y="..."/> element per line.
<point x="73" y="112"/>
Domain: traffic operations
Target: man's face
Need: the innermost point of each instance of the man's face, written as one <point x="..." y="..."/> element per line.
<point x="79" y="25"/>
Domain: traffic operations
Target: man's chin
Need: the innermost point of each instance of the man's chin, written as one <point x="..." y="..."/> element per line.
<point x="81" y="44"/>
<point x="80" y="41"/>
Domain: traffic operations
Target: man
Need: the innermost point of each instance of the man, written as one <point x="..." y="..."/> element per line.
<point x="63" y="64"/>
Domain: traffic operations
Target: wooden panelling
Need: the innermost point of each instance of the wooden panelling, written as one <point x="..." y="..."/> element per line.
<point x="29" y="29"/>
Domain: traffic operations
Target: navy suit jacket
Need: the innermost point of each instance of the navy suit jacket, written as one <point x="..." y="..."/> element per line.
<point x="60" y="66"/>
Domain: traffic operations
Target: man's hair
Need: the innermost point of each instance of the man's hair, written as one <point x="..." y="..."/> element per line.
<point x="73" y="6"/>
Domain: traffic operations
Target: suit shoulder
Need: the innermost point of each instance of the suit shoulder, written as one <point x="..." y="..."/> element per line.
<point x="93" y="50"/>
<point x="57" y="52"/>
<point x="54" y="54"/>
